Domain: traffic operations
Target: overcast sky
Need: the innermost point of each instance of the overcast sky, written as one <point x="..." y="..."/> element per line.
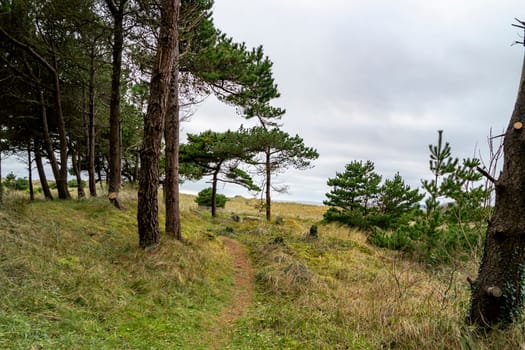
<point x="375" y="79"/>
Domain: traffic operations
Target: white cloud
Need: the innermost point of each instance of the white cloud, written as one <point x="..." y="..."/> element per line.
<point x="376" y="79"/>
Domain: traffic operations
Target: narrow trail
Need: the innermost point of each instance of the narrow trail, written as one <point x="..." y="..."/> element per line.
<point x="242" y="297"/>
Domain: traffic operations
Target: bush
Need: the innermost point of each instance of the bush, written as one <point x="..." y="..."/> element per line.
<point x="396" y="240"/>
<point x="73" y="183"/>
<point x="13" y="183"/>
<point x="204" y="198"/>
<point x="21" y="184"/>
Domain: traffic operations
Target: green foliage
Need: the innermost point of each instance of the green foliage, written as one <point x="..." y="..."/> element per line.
<point x="241" y="177"/>
<point x="281" y="149"/>
<point x="398" y="239"/>
<point x="13" y="183"/>
<point x="218" y="155"/>
<point x="357" y="198"/>
<point x="398" y="200"/>
<point x="448" y="230"/>
<point x="441" y="164"/>
<point x="73" y="183"/>
<point x="10" y="181"/>
<point x="445" y="232"/>
<point x="464" y="187"/>
<point x="204" y="198"/>
<point x="355" y="188"/>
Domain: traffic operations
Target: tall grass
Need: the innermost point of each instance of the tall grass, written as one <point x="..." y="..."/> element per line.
<point x="73" y="277"/>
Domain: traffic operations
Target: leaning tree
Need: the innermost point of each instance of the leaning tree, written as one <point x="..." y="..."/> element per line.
<point x="499" y="290"/>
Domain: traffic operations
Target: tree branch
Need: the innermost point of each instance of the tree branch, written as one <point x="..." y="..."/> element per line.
<point x="28" y="49"/>
<point x="487" y="175"/>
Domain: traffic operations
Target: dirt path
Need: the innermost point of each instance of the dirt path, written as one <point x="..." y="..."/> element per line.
<point x="242" y="297"/>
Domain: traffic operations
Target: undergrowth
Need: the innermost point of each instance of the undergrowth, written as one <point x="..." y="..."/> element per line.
<point x="73" y="277"/>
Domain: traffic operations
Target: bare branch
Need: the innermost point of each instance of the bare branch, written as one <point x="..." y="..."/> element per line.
<point x="487" y="175"/>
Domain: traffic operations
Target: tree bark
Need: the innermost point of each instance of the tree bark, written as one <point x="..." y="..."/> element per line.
<point x="214" y="194"/>
<point x="1" y="183"/>
<point x="61" y="174"/>
<point x="42" y="173"/>
<point x="147" y="214"/>
<point x="115" y="166"/>
<point x="91" y="129"/>
<point x="48" y="142"/>
<point x="30" y="172"/>
<point x="503" y="264"/>
<point x="268" y="186"/>
<point x="171" y="137"/>
<point x="75" y="157"/>
<point x="61" y="181"/>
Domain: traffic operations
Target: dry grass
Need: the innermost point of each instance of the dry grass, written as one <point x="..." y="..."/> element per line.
<point x="339" y="292"/>
<point x="72" y="277"/>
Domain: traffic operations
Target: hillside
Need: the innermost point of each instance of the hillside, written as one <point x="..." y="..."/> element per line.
<point x="73" y="277"/>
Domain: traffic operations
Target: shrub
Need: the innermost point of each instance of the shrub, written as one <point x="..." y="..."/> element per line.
<point x="21" y="184"/>
<point x="13" y="183"/>
<point x="204" y="198"/>
<point x="396" y="240"/>
<point x="73" y="183"/>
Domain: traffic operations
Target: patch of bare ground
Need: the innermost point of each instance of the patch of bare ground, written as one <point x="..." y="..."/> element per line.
<point x="219" y="332"/>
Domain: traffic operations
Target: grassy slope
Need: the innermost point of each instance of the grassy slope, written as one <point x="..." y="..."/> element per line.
<point x="72" y="277"/>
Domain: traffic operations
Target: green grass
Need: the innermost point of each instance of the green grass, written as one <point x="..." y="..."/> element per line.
<point x="73" y="277"/>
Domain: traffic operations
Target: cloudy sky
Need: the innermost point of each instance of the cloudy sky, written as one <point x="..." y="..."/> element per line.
<point x="375" y="79"/>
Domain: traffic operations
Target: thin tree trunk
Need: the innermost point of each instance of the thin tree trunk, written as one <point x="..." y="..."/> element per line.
<point x="47" y="139"/>
<point x="498" y="292"/>
<point x="268" y="186"/>
<point x="61" y="174"/>
<point x="30" y="172"/>
<point x="91" y="130"/>
<point x="171" y="137"/>
<point x="63" y="191"/>
<point x="42" y="173"/>
<point x="214" y="195"/>
<point x="1" y="181"/>
<point x="147" y="214"/>
<point x="115" y="166"/>
<point x="75" y="157"/>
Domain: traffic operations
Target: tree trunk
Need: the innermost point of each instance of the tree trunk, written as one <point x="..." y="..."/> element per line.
<point x="115" y="166"/>
<point x="214" y="194"/>
<point x="30" y="172"/>
<point x="63" y="191"/>
<point x="42" y="173"/>
<point x="60" y="173"/>
<point x="498" y="292"/>
<point x="91" y="130"/>
<point x="75" y="157"/>
<point x="147" y="214"/>
<point x="171" y="137"/>
<point x="48" y="142"/>
<point x="268" y="186"/>
<point x="1" y="183"/>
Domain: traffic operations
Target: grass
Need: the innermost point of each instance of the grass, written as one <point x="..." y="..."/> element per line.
<point x="73" y="277"/>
